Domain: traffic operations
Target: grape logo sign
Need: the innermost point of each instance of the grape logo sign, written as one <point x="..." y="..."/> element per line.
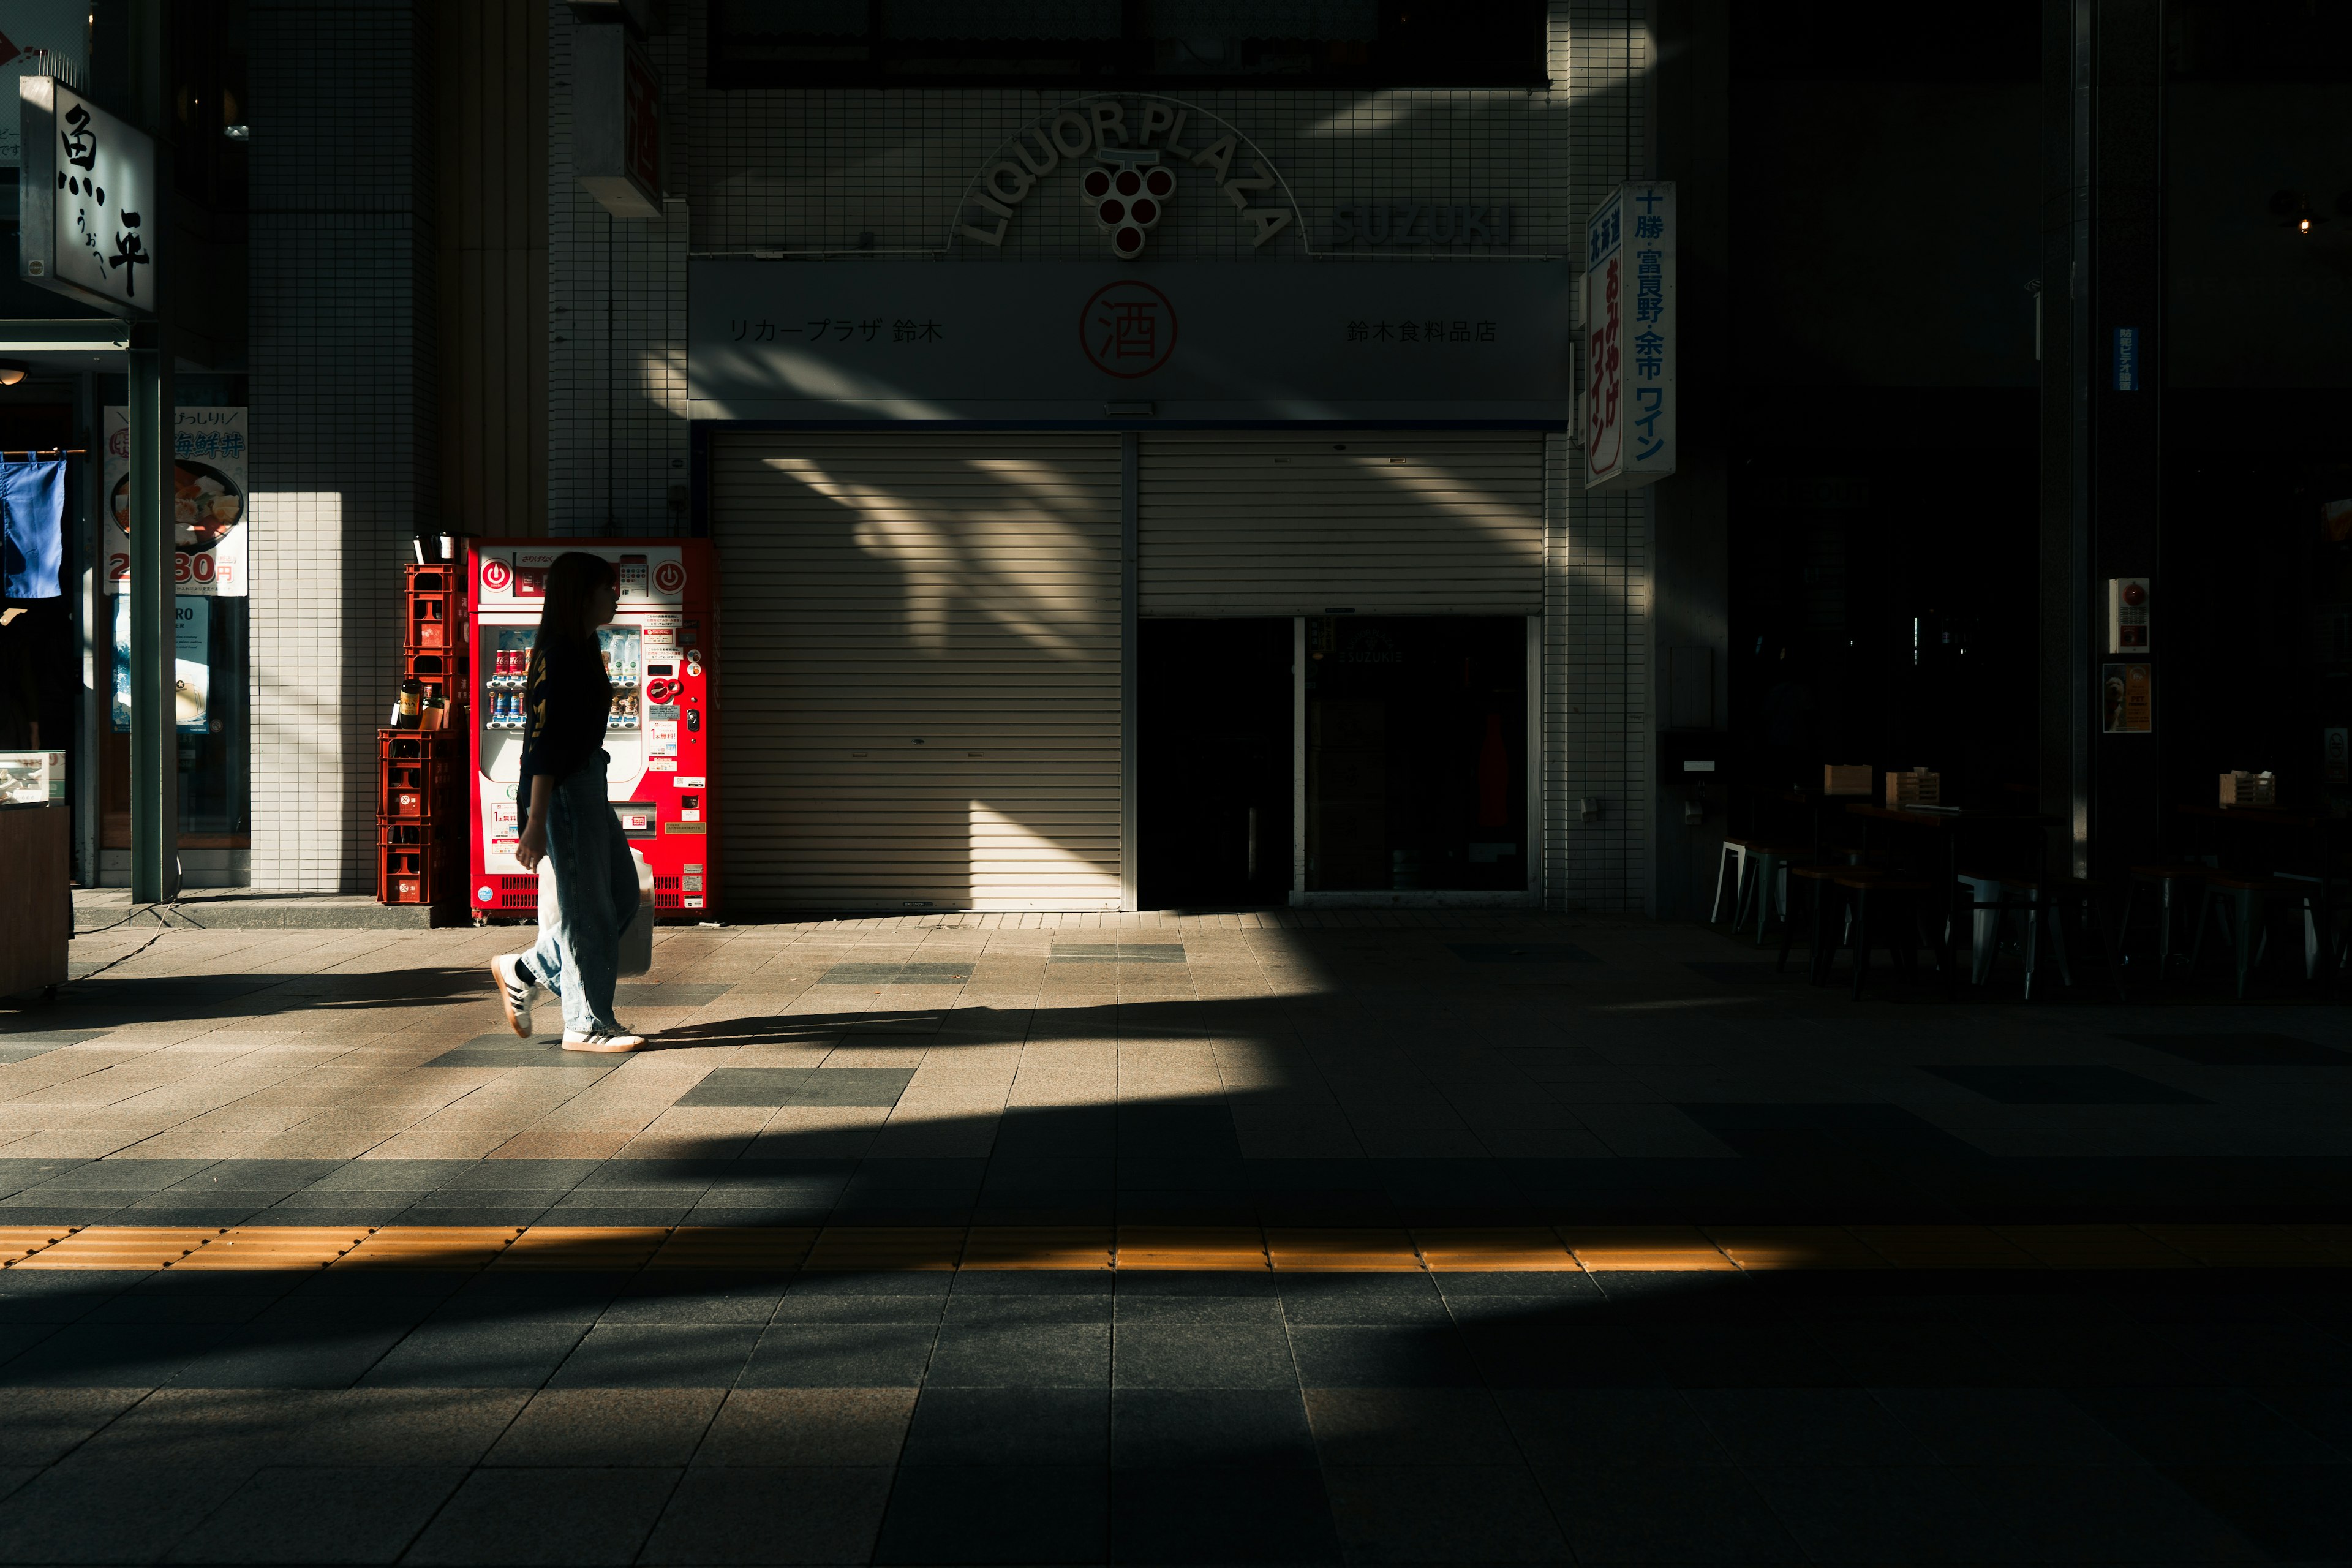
<point x="669" y="576"/>
<point x="1128" y="196"/>
<point x="1128" y="328"/>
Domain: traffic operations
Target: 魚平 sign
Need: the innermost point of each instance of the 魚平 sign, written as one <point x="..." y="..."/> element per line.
<point x="85" y="201"/>
<point x="1629" y="337"/>
<point x="208" y="501"/>
<point x="616" y="122"/>
<point x="1128" y="159"/>
<point x="1197" y="340"/>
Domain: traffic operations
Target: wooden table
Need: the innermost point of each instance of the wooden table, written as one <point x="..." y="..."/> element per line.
<point x="1951" y="824"/>
<point x="2322" y="827"/>
<point x="36" y="896"/>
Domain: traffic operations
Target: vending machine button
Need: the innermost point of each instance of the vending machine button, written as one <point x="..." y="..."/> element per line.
<point x="694" y="720"/>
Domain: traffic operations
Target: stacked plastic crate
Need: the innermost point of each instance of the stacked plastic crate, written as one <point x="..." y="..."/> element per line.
<point x="421" y="800"/>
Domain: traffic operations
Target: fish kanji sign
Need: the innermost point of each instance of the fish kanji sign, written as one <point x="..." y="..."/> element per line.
<point x="1628" y="329"/>
<point x="85" y="201"/>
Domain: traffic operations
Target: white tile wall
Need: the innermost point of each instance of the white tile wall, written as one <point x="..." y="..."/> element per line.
<point x="340" y="280"/>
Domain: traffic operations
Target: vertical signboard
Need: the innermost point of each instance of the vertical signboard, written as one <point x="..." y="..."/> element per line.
<point x="616" y="125"/>
<point x="1629" y="337"/>
<point x="207" y="501"/>
<point x="85" y="201"/>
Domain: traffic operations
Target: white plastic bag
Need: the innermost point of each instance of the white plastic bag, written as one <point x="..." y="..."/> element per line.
<point x="638" y="936"/>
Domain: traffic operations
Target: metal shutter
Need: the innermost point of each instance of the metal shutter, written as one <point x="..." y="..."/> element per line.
<point x="922" y="679"/>
<point x="1385" y="523"/>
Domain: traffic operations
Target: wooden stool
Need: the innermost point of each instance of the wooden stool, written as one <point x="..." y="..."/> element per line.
<point x="1872" y="896"/>
<point x="1822" y="884"/>
<point x="2176" y="881"/>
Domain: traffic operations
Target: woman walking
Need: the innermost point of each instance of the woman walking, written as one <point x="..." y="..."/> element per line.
<point x="593" y="893"/>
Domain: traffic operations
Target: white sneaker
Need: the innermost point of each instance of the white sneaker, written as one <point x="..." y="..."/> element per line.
<point x="516" y="984"/>
<point x="600" y="1041"/>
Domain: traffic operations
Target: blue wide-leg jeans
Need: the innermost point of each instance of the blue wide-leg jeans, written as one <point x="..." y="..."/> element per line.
<point x="587" y="902"/>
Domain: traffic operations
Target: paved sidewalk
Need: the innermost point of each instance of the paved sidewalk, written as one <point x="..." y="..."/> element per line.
<point x="1438" y="1239"/>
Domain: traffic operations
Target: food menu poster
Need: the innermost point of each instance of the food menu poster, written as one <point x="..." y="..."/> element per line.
<point x="192" y="675"/>
<point x="208" y="502"/>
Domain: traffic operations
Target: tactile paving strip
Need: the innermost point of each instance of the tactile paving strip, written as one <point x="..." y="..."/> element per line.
<point x="1212" y="1249"/>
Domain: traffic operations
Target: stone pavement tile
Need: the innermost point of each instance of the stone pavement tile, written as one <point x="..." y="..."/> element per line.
<point x="557" y="1516"/>
<point x="1033" y="1425"/>
<point x="840" y="1355"/>
<point x="531" y="1296"/>
<point x="1664" y="1513"/>
<point x="1889" y="1512"/>
<point x="1451" y="1514"/>
<point x="1382" y="1356"/>
<point x="2202" y="1426"/>
<point x="773" y="1515"/>
<point x="277" y="1354"/>
<point x="2111" y="1513"/>
<point x="110" y="1355"/>
<point x="1561" y="1427"/>
<point x="951" y="1513"/>
<point x="476" y="1354"/>
<point x="2004" y="1427"/>
<point x="1021" y="1354"/>
<point x="608" y="1426"/>
<point x="924" y="1309"/>
<point x="1745" y="1355"/>
<point x="319" y="1514"/>
<point x="41" y="1425"/>
<point x="1220" y="1514"/>
<point x="1163" y="1427"/>
<point x="697" y="1296"/>
<point x="806" y="1427"/>
<point x="177" y="1426"/>
<point x="1154" y="1355"/>
<point x="1811" y="1427"/>
<point x="1413" y="1426"/>
<point x="115" y="1515"/>
<point x="1523" y="1354"/>
<point x="666" y="1355"/>
<point x="1362" y="1299"/>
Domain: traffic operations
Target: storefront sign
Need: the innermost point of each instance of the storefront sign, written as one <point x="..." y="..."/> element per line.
<point x="42" y="38"/>
<point x="1128" y="158"/>
<point x="1199" y="340"/>
<point x="85" y="201"/>
<point x="1419" y="226"/>
<point x="208" y="501"/>
<point x="616" y="122"/>
<point x="1629" y="337"/>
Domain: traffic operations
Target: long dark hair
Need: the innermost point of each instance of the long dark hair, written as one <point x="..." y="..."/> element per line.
<point x="564" y="619"/>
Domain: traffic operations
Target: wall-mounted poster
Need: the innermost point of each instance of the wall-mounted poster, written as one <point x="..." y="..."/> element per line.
<point x="192" y="674"/>
<point x="2124" y="699"/>
<point x="208" y="502"/>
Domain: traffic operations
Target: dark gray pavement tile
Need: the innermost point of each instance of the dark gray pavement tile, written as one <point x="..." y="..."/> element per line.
<point x="803" y="1426"/>
<point x="1220" y="1514"/>
<point x="2325" y="1413"/>
<point x="775" y="1515"/>
<point x="1885" y="1513"/>
<point x="319" y="1514"/>
<point x="263" y="1356"/>
<point x="1009" y="1426"/>
<point x="1745" y="1355"/>
<point x="1012" y="1312"/>
<point x="65" y="1296"/>
<point x="1410" y="1427"/>
<point x="1161" y="1284"/>
<point x="2003" y="1427"/>
<point x="563" y="1517"/>
<point x="2064" y="1085"/>
<point x="111" y="1355"/>
<point x="1155" y="1355"/>
<point x="697" y="1298"/>
<point x="926" y="1308"/>
<point x="840" y="1355"/>
<point x="1564" y="1289"/>
<point x="14" y="1477"/>
<point x="2294" y="1512"/>
<point x="1022" y="1354"/>
<point x="389" y="1175"/>
<point x="1362" y="1299"/>
<point x="953" y="1513"/>
<point x="556" y="1296"/>
<point x="1664" y="1513"/>
<point x="1382" y="1357"/>
<point x="1812" y="1427"/>
<point x="800" y="1086"/>
<point x="1545" y="1356"/>
<point x="1163" y="1428"/>
<point x="16" y="1339"/>
<point x="1395" y="1513"/>
<point x="2202" y="1426"/>
<point x="41" y="1425"/>
<point x="932" y="1282"/>
<point x="1261" y="1312"/>
<point x="366" y="1426"/>
<point x="115" y="1515"/>
<point x="474" y="1355"/>
<point x="2108" y="1513"/>
<point x="1565" y="1427"/>
<point x="669" y="1356"/>
<point x="1931" y="1353"/>
<point x="624" y="1426"/>
<point x="2222" y="1049"/>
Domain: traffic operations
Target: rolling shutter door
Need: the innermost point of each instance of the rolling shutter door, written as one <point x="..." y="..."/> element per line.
<point x="1385" y="523"/>
<point x="922" y="676"/>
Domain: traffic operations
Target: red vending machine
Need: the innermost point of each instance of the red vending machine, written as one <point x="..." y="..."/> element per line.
<point x="661" y="735"/>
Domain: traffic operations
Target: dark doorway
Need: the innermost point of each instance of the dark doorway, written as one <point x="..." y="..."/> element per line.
<point x="1417" y="753"/>
<point x="1214" y="790"/>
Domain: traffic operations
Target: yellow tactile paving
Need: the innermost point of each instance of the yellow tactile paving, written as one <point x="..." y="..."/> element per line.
<point x="1027" y="1247"/>
<point x="1225" y="1249"/>
<point x="1386" y="1251"/>
<point x="883" y="1250"/>
<point x="582" y="1247"/>
<point x="1528" y="1249"/>
<point x="1219" y="1248"/>
<point x="1795" y="1246"/>
<point x="727" y="1246"/>
<point x="18" y="1242"/>
<point x="1666" y="1248"/>
<point x="275" y="1247"/>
